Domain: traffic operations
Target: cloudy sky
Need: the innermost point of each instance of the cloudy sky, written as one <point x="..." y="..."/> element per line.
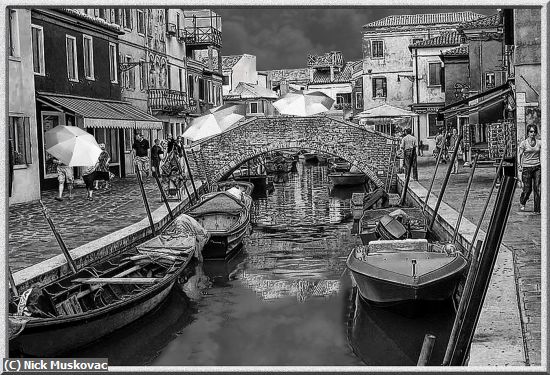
<point x="283" y="37"/>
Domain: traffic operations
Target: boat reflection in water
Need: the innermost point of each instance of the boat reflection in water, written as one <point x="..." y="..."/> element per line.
<point x="393" y="336"/>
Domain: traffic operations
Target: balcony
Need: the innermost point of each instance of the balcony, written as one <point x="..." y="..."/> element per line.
<point x="167" y="101"/>
<point x="203" y="36"/>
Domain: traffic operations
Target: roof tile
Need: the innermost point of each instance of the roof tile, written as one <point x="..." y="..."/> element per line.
<point x="228" y="62"/>
<point x="423" y="19"/>
<point x="457" y="51"/>
<point x="443" y="40"/>
<point x="490" y="21"/>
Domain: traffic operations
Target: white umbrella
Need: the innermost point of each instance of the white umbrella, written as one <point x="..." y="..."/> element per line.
<point x="303" y="104"/>
<point x="386" y="111"/>
<point x="216" y="121"/>
<point x="72" y="146"/>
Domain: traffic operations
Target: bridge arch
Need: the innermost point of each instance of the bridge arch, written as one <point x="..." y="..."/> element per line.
<point x="213" y="158"/>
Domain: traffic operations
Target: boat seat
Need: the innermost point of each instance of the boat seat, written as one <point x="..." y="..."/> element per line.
<point x="391" y="246"/>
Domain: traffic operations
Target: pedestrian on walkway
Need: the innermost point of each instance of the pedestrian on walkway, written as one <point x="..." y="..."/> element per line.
<point x="452" y="144"/>
<point x="102" y="169"/>
<point x="439" y="146"/>
<point x="89" y="175"/>
<point x="529" y="167"/>
<point x="409" y="145"/>
<point x="156" y="156"/>
<point x="64" y="174"/>
<point x="140" y="150"/>
<point x="420" y="148"/>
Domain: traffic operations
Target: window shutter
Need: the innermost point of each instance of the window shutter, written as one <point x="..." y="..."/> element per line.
<point x="385" y="87"/>
<point x="27" y="127"/>
<point x="442" y="78"/>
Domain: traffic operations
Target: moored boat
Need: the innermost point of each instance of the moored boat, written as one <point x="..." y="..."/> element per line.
<point x="397" y="223"/>
<point x="77" y="309"/>
<point x="244" y="186"/>
<point x="406" y="270"/>
<point x="226" y="217"/>
<point x="347" y="178"/>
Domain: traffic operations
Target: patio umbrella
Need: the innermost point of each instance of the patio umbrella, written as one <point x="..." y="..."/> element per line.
<point x="72" y="145"/>
<point x="386" y="111"/>
<point x="301" y="103"/>
<point x="215" y="121"/>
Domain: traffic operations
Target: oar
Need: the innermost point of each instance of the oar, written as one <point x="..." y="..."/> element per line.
<point x="70" y="261"/>
<point x="145" y="202"/>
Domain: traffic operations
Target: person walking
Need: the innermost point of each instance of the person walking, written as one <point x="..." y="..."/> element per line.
<point x="529" y="167"/>
<point x="102" y="169"/>
<point x="140" y="150"/>
<point x="440" y="146"/>
<point x="409" y="146"/>
<point x="64" y="174"/>
<point x="156" y="156"/>
<point x="420" y="148"/>
<point x="452" y="144"/>
<point x="88" y="175"/>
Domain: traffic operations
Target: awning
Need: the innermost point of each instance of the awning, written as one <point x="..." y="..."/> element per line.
<point x="490" y="98"/>
<point x="99" y="113"/>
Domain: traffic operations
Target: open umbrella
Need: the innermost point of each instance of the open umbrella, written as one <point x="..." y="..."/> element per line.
<point x="386" y="111"/>
<point x="301" y="103"/>
<point x="72" y="145"/>
<point x="215" y="121"/>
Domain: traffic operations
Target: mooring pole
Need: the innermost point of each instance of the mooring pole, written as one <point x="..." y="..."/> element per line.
<point x="489" y="252"/>
<point x="407" y="178"/>
<point x="180" y="169"/>
<point x="470" y="179"/>
<point x="464" y="298"/>
<point x="70" y="261"/>
<point x="485" y="206"/>
<point x="435" y="174"/>
<point x="426" y="352"/>
<point x="145" y="202"/>
<point x="190" y="174"/>
<point x="445" y="181"/>
<point x="164" y="199"/>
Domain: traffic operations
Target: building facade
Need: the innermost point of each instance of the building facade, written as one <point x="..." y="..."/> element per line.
<point x="237" y="69"/>
<point x="24" y="166"/>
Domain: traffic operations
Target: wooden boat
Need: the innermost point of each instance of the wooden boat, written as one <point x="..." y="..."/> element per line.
<point x="226" y="217"/>
<point x="77" y="309"/>
<point x="339" y="165"/>
<point x="347" y="178"/>
<point x="411" y="219"/>
<point x="406" y="270"/>
<point x="244" y="186"/>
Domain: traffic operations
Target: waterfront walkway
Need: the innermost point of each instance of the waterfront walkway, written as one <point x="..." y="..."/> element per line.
<point x="80" y="221"/>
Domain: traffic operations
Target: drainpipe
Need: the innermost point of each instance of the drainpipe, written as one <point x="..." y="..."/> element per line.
<point x="417" y="93"/>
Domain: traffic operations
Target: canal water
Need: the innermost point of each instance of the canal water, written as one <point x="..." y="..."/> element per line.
<point x="285" y="300"/>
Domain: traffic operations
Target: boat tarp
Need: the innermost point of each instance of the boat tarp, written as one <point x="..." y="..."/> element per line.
<point x="218" y="203"/>
<point x="183" y="233"/>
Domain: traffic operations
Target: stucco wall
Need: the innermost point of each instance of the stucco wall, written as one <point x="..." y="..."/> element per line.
<point x="26" y="183"/>
<point x="244" y="71"/>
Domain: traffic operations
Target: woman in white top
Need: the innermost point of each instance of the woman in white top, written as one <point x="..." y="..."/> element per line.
<point x="529" y="167"/>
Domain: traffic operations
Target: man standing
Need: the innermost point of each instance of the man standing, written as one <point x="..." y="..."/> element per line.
<point x="64" y="174"/>
<point x="140" y="149"/>
<point x="408" y="145"/>
<point x="156" y="152"/>
<point x="439" y="146"/>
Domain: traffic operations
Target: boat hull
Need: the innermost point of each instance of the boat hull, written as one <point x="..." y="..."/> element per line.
<point x="347" y="179"/>
<point x="383" y="285"/>
<point x="224" y="245"/>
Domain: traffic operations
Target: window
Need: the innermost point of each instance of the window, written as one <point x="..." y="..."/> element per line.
<point x="113" y="63"/>
<point x="20" y="139"/>
<point x="140" y="22"/>
<point x="72" y="63"/>
<point x="379" y="88"/>
<point x="210" y="92"/>
<point x="416" y="40"/>
<point x="358" y="100"/>
<point x="103" y="14"/>
<point x="13" y="34"/>
<point x="180" y="75"/>
<point x="254" y="107"/>
<point x="191" y="88"/>
<point x="177" y="23"/>
<point x="129" y="75"/>
<point x="432" y="124"/>
<point x="127" y="18"/>
<point x="489" y="80"/>
<point x="169" y="74"/>
<point x="118" y="18"/>
<point x="38" y="50"/>
<point x="88" y="45"/>
<point x="377" y="48"/>
<point x="434" y="78"/>
<point x="202" y="89"/>
<point x="142" y="75"/>
<point x="225" y="80"/>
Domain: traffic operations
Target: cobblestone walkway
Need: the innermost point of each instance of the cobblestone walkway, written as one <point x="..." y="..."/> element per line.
<point x="522" y="236"/>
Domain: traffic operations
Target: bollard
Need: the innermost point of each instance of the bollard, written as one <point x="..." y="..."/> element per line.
<point x="426" y="352"/>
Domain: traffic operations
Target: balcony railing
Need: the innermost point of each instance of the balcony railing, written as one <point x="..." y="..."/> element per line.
<point x="203" y="36"/>
<point x="165" y="100"/>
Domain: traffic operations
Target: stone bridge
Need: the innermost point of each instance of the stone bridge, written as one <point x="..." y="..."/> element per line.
<point x="213" y="159"/>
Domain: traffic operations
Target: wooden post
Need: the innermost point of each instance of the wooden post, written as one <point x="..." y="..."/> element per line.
<point x="190" y="174"/>
<point x="407" y="178"/>
<point x="164" y="199"/>
<point x="464" y="298"/>
<point x="426" y="352"/>
<point x="445" y="181"/>
<point x="470" y="179"/>
<point x="489" y="253"/>
<point x="435" y="174"/>
<point x="70" y="261"/>
<point x="145" y="202"/>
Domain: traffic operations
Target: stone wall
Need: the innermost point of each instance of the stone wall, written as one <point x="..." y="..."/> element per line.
<point x="213" y="159"/>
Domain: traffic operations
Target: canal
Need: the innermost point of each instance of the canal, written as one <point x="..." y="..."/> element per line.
<point x="285" y="300"/>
